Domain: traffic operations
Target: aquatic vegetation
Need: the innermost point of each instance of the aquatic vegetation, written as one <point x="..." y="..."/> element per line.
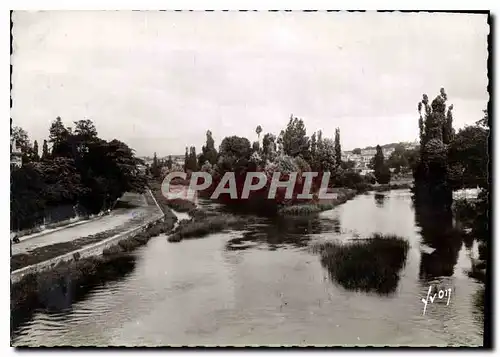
<point x="371" y="264"/>
<point x="197" y="228"/>
<point x="316" y="207"/>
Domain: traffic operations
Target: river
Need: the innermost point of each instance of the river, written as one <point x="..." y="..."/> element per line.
<point x="267" y="286"/>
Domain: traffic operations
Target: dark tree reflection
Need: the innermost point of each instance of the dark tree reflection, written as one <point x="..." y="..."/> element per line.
<point x="56" y="293"/>
<point x="438" y="233"/>
<point x="379" y="200"/>
<point x="283" y="231"/>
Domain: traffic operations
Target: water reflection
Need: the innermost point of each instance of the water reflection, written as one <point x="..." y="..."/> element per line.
<point x="281" y="232"/>
<point x="441" y="237"/>
<point x="214" y="292"/>
<point x="379" y="199"/>
<point x="56" y="295"/>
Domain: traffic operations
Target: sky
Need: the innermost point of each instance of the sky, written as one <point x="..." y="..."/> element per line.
<point x="158" y="80"/>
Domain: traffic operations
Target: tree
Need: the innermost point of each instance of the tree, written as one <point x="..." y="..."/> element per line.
<point x="295" y="140"/>
<point x="357" y="151"/>
<point x="255" y="146"/>
<point x="269" y="147"/>
<point x="382" y="172"/>
<point x="234" y="154"/>
<point x="325" y="155"/>
<point x="23" y="142"/>
<point x="36" y="157"/>
<point x="58" y="137"/>
<point x="436" y="133"/>
<point x="468" y="159"/>
<point x="186" y="160"/>
<point x="45" y="151"/>
<point x="258" y="130"/>
<point x="338" y="149"/>
<point x="26" y="203"/>
<point x="155" y="167"/>
<point x="348" y="165"/>
<point x="208" y="151"/>
<point x="192" y="160"/>
<point x="85" y="128"/>
<point x="170" y="162"/>
<point x="398" y="159"/>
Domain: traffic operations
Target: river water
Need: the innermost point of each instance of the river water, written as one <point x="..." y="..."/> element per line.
<point x="267" y="286"/>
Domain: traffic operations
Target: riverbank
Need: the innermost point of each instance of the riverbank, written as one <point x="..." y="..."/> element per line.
<point x="68" y="275"/>
<point x="179" y="205"/>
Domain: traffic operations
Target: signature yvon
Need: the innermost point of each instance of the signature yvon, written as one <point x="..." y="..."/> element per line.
<point x="441" y="294"/>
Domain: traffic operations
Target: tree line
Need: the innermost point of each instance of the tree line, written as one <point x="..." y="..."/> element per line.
<point x="292" y="150"/>
<point x="450" y="160"/>
<point x="76" y="169"/>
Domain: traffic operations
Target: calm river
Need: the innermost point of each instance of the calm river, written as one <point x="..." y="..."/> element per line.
<point x="266" y="286"/>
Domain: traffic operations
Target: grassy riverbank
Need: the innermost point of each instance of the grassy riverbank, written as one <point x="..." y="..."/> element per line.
<point x="31" y="291"/>
<point x="48" y="252"/>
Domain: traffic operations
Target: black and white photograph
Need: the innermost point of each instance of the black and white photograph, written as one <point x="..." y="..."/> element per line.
<point x="250" y="178"/>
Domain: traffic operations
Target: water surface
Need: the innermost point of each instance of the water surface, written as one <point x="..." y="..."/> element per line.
<point x="266" y="286"/>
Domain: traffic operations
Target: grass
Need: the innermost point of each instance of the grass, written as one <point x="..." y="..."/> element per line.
<point x="177" y="204"/>
<point x="197" y="228"/>
<point x="204" y="223"/>
<point x="44" y="253"/>
<point x="368" y="265"/>
<point x="316" y="207"/>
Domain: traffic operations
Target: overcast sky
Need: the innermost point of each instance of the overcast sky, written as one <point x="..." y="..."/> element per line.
<point x="159" y="80"/>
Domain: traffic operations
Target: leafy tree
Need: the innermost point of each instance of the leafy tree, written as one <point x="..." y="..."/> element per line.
<point x="338" y="149"/>
<point x="58" y="137"/>
<point x="436" y="133"/>
<point x="255" y="146"/>
<point x="468" y="159"/>
<point x="26" y="203"/>
<point x="62" y="181"/>
<point x="170" y="162"/>
<point x="357" y="151"/>
<point x="36" y="157"/>
<point x="234" y="154"/>
<point x="23" y="143"/>
<point x="45" y="151"/>
<point x="325" y="155"/>
<point x="192" y="159"/>
<point x="258" y="130"/>
<point x="85" y="128"/>
<point x="382" y="172"/>
<point x="209" y="153"/>
<point x="295" y="140"/>
<point x="155" y="167"/>
<point x="82" y="169"/>
<point x="398" y="159"/>
<point x="186" y="160"/>
<point x="348" y="165"/>
<point x="269" y="148"/>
